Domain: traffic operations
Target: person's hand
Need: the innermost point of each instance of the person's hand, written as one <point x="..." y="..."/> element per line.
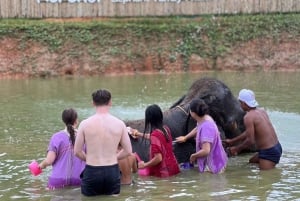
<point x="180" y="139"/>
<point x="193" y="158"/>
<point x="40" y="166"/>
<point x="231" y="151"/>
<point x="227" y="142"/>
<point x="141" y="165"/>
<point x="133" y="132"/>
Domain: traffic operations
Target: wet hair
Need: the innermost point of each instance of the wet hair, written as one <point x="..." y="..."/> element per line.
<point x="199" y="107"/>
<point x="154" y="120"/>
<point x="101" y="97"/>
<point x="69" y="117"/>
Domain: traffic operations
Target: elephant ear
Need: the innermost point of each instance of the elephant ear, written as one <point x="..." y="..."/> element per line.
<point x="221" y="118"/>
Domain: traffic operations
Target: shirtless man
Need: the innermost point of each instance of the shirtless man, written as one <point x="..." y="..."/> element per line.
<point x="101" y="134"/>
<point x="259" y="131"/>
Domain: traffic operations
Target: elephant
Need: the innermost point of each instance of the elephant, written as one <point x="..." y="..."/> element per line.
<point x="223" y="107"/>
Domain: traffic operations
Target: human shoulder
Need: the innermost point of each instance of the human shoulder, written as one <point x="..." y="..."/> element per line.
<point x="256" y="112"/>
<point x="208" y="124"/>
<point x="87" y="120"/>
<point x="251" y="113"/>
<point x="117" y="120"/>
<point x="254" y="116"/>
<point x="261" y="110"/>
<point x="155" y="132"/>
<point x="58" y="138"/>
<point x="208" y="131"/>
<point x="59" y="134"/>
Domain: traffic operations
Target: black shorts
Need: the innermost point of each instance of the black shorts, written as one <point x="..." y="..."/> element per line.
<point x="100" y="180"/>
<point x="272" y="154"/>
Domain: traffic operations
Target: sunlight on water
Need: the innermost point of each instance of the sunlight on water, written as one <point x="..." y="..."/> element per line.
<point x="230" y="191"/>
<point x="287" y="127"/>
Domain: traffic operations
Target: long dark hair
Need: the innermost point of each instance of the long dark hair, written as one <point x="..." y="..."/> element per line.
<point x="69" y="116"/>
<point x="154" y="120"/>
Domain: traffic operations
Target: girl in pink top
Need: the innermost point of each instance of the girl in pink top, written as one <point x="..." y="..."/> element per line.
<point x="210" y="154"/>
<point x="66" y="167"/>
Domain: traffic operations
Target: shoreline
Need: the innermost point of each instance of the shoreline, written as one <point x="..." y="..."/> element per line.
<point x="4" y="76"/>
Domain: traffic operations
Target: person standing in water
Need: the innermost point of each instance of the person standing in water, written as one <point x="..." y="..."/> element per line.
<point x="127" y="166"/>
<point x="66" y="167"/>
<point x="102" y="133"/>
<point x="163" y="162"/>
<point x="259" y="131"/>
<point x="210" y="154"/>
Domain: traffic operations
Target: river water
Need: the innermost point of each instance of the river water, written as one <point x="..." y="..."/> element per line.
<point x="31" y="113"/>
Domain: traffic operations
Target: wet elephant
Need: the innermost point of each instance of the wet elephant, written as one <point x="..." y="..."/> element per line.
<point x="224" y="108"/>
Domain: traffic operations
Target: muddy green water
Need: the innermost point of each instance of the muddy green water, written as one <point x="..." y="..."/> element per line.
<point x="30" y="114"/>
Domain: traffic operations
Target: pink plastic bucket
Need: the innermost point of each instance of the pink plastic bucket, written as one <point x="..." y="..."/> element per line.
<point x="144" y="171"/>
<point x="34" y="168"/>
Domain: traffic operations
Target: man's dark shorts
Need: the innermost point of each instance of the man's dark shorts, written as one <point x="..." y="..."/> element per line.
<point x="100" y="180"/>
<point x="272" y="154"/>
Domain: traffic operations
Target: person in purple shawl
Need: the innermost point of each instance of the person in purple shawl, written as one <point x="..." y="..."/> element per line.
<point x="210" y="154"/>
<point x="66" y="167"/>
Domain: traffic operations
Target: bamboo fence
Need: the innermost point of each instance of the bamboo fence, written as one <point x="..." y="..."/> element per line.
<point x="136" y="8"/>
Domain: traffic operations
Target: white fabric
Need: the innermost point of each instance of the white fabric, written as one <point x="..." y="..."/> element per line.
<point x="247" y="96"/>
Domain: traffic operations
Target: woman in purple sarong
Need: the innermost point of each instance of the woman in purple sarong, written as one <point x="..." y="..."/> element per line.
<point x="210" y="154"/>
<point x="66" y="167"/>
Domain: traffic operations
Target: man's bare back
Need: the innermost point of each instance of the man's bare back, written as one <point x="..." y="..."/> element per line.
<point x="264" y="133"/>
<point x="102" y="134"/>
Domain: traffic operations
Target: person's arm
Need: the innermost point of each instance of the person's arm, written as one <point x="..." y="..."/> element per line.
<point x="125" y="144"/>
<point x="134" y="163"/>
<point x="79" y="143"/>
<point x="249" y="137"/>
<point x="191" y="134"/>
<point x="204" y="151"/>
<point x="50" y="158"/>
<point x="153" y="162"/>
<point x="237" y="139"/>
<point x="136" y="134"/>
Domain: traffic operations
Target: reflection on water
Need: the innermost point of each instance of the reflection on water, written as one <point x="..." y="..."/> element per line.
<point x="31" y="110"/>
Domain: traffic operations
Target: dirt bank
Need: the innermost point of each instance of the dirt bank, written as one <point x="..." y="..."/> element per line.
<point x="152" y="53"/>
<point x="36" y="60"/>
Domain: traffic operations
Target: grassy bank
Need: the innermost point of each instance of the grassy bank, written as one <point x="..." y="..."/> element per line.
<point x="209" y="37"/>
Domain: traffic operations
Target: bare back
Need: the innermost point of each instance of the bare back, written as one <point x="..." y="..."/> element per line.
<point x="102" y="133"/>
<point x="260" y="128"/>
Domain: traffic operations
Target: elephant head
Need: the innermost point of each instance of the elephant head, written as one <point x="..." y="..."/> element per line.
<point x="224" y="108"/>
